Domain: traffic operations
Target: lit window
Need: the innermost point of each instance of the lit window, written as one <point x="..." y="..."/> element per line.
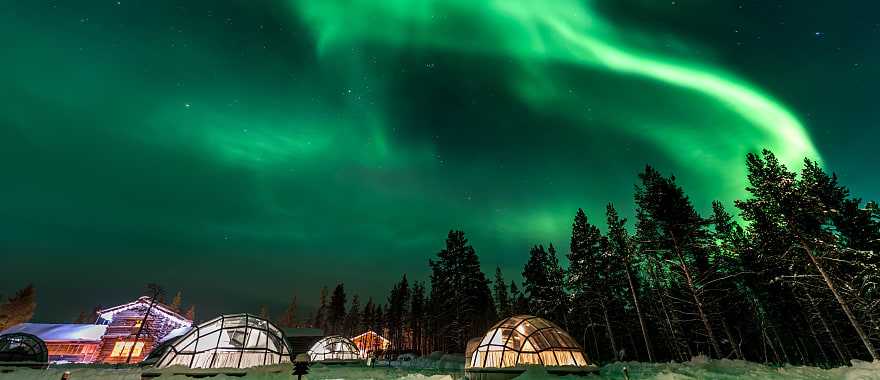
<point x="122" y="348"/>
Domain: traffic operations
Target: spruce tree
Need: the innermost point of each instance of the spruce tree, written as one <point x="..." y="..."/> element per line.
<point x="320" y="317"/>
<point x="543" y="284"/>
<point x="336" y="310"/>
<point x="677" y="238"/>
<point x="289" y="318"/>
<point x="367" y="315"/>
<point x="502" y="300"/>
<point x="416" y="317"/>
<point x="621" y="248"/>
<point x="176" y="302"/>
<point x="799" y="214"/>
<point x="18" y="308"/>
<point x="396" y="312"/>
<point x="519" y="302"/>
<point x="461" y="293"/>
<point x="353" y="318"/>
<point x="83" y="317"/>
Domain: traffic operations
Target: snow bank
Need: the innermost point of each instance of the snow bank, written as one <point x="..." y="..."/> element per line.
<point x="452" y="362"/>
<point x="702" y="368"/>
<point x="697" y="368"/>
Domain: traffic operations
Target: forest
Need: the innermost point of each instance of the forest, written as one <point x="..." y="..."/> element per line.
<point x="794" y="278"/>
<point x="791" y="275"/>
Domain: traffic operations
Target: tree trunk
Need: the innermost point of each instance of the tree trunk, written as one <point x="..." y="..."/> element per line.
<point x="632" y="343"/>
<point x="831" y="334"/>
<point x="698" y="303"/>
<point x="843" y="305"/>
<point x="609" y="331"/>
<point x="818" y="343"/>
<point x="780" y="343"/>
<point x="635" y="297"/>
<point x="736" y="348"/>
<point x="673" y="343"/>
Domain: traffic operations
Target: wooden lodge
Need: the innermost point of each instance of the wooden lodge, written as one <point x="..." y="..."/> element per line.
<point x="114" y="335"/>
<point x="123" y="323"/>
<point x="369" y="342"/>
<point x="65" y="343"/>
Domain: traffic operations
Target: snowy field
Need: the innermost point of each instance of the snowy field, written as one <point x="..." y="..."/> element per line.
<point x="697" y="368"/>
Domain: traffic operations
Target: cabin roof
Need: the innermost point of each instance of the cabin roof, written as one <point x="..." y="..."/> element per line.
<point x="109" y="313"/>
<point x="60" y="331"/>
<point x="369" y="333"/>
<point x="175" y="333"/>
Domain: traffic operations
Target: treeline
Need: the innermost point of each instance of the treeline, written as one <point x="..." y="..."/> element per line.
<point x="458" y="306"/>
<point x="796" y="282"/>
<point x="794" y="279"/>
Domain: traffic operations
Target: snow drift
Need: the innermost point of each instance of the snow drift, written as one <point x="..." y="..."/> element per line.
<point x="697" y="368"/>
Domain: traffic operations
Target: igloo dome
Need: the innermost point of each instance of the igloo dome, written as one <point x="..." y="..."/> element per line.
<point x="525" y="340"/>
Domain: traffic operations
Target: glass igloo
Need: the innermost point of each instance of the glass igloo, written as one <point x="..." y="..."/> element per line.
<point x="23" y="348"/>
<point x="228" y="341"/>
<point x="334" y="348"/>
<point x="525" y="340"/>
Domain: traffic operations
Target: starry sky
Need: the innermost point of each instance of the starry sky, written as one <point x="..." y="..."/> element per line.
<point x="244" y="151"/>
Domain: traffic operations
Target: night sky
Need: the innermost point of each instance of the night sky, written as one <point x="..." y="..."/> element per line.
<point x="247" y="151"/>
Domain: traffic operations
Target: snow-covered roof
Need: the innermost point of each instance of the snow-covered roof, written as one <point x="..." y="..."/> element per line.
<point x="176" y="333"/>
<point x="109" y="313"/>
<point x="60" y="331"/>
<point x="368" y="334"/>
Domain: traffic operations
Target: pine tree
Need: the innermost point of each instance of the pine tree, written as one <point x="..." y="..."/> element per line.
<point x="396" y="312"/>
<point x="502" y="300"/>
<point x="543" y="282"/>
<point x="353" y="317"/>
<point x="320" y="317"/>
<point x="462" y="299"/>
<point x="677" y="237"/>
<point x="519" y="302"/>
<point x="584" y="256"/>
<point x="176" y="302"/>
<point x="264" y="312"/>
<point x="336" y="311"/>
<point x="799" y="214"/>
<point x="191" y="313"/>
<point x="288" y="319"/>
<point x="621" y="248"/>
<point x="18" y="308"/>
<point x="416" y="317"/>
<point x="83" y="318"/>
<point x="156" y="291"/>
<point x="369" y="316"/>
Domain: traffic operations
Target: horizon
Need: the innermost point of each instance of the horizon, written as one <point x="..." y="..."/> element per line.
<point x="290" y="145"/>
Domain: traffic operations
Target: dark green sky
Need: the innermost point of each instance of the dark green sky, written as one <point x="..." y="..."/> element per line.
<point x="245" y="151"/>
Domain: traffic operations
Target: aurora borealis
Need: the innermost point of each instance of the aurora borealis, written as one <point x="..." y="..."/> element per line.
<point x="294" y="144"/>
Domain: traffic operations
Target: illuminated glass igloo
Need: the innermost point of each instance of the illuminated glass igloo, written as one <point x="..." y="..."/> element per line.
<point x="334" y="349"/>
<point x="228" y="341"/>
<point x="524" y="340"/>
<point x="23" y="348"/>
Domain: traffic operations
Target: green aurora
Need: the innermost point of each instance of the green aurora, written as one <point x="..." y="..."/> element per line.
<point x="296" y="144"/>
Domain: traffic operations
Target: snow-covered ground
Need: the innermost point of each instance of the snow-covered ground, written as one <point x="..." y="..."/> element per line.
<point x="698" y="368"/>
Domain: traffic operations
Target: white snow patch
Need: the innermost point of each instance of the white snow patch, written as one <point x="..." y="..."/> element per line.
<point x="698" y="368"/>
